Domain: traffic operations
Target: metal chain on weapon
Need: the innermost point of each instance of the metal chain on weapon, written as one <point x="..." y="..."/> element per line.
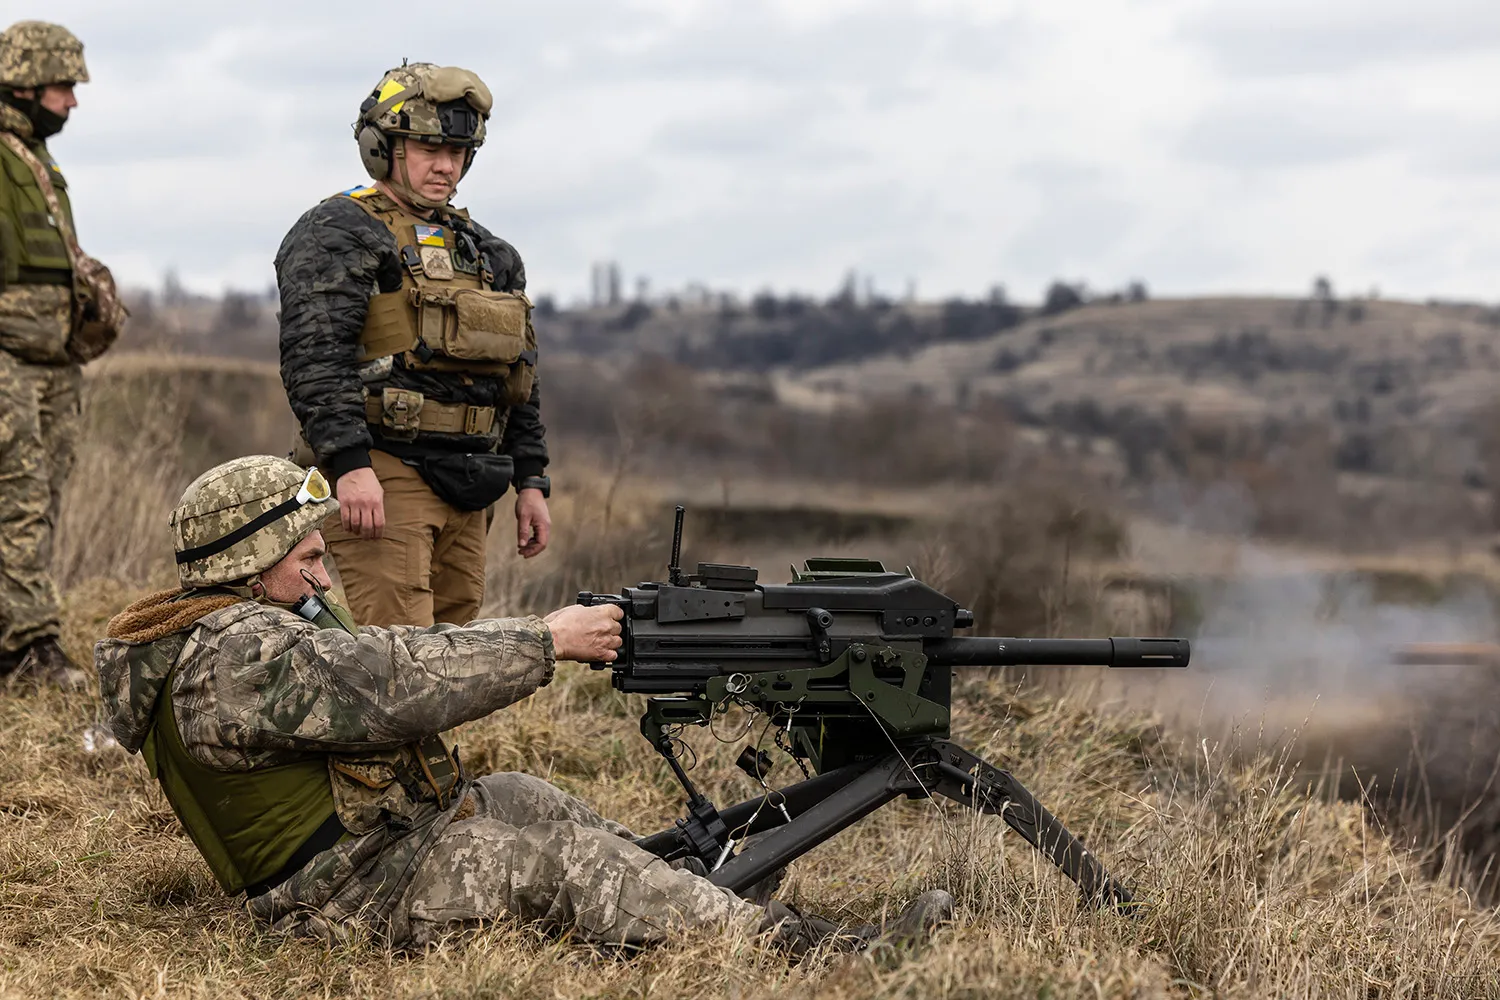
<point x="783" y="735"/>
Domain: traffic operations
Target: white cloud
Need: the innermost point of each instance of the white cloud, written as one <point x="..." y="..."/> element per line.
<point x="1234" y="146"/>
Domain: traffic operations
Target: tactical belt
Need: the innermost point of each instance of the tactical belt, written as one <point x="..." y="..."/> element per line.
<point x="324" y="837"/>
<point x="44" y="276"/>
<point x="397" y="410"/>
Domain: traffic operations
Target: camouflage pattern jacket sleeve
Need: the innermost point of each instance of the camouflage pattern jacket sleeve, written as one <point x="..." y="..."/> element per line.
<point x="329" y="265"/>
<point x="256" y="686"/>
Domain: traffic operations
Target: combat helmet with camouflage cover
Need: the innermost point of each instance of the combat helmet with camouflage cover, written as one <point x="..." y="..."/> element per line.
<point x="36" y="53"/>
<point x="239" y="519"/>
<point x="426" y="103"/>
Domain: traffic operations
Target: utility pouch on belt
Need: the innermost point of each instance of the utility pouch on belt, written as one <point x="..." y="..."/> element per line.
<point x="401" y="413"/>
<point x="468" y="481"/>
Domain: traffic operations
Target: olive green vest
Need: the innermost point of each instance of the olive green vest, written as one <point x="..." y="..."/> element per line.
<point x="249" y="825"/>
<point x="30" y="243"/>
<point x="246" y="824"/>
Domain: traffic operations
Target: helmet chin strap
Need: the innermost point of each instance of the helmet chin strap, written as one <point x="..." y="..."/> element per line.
<point x="404" y="186"/>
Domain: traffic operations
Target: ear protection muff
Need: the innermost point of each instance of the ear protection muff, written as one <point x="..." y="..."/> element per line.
<point x="374" y="152"/>
<point x="374" y="145"/>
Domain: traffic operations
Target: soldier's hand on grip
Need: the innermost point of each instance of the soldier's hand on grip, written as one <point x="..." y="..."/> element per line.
<point x="586" y="634"/>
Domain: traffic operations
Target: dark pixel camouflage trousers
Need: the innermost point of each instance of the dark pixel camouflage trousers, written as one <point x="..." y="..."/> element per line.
<point x="39" y="420"/>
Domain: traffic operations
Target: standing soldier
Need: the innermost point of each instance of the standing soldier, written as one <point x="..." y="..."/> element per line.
<point x="58" y="308"/>
<point x="409" y="358"/>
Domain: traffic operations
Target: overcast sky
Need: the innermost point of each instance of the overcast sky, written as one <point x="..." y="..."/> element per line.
<point x="1199" y="145"/>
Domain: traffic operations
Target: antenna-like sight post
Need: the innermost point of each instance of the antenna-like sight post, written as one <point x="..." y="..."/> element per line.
<point x="674" y="568"/>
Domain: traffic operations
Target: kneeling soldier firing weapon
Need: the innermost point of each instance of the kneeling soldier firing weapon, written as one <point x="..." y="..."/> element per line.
<point x="303" y="757"/>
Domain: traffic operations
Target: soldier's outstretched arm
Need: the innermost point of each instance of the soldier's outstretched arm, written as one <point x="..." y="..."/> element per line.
<point x="267" y="681"/>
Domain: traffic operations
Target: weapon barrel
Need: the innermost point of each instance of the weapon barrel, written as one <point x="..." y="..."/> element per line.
<point x="1117" y="652"/>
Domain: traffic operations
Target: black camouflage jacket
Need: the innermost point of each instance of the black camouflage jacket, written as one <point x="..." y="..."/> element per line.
<point x="329" y="265"/>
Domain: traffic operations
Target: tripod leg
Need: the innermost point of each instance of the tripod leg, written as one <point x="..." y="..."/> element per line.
<point x="889" y="778"/>
<point x="967" y="778"/>
<point x="756" y="815"/>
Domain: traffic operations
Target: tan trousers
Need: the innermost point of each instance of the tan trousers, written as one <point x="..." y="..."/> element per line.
<point x="427" y="567"/>
<point x="39" y="420"/>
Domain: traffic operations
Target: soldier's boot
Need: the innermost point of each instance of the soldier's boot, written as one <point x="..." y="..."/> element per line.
<point x="799" y="933"/>
<point x="10" y="660"/>
<point x="45" y="663"/>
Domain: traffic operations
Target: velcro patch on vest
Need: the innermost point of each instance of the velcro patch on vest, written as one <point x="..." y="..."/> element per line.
<point x="430" y="236"/>
<point x="437" y="263"/>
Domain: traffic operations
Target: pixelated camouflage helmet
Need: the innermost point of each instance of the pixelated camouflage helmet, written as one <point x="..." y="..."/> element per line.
<point x="241" y="518"/>
<point x="421" y="101"/>
<point x="35" y="53"/>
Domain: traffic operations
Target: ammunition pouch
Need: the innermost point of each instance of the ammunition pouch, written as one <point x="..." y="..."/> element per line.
<point x="99" y="316"/>
<point x="402" y="413"/>
<point x="467" y="329"/>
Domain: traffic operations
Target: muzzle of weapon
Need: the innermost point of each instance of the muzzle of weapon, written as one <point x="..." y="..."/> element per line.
<point x="1118" y="652"/>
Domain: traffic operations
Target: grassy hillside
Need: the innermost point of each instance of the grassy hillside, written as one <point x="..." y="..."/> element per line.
<point x="1259" y="885"/>
<point x="1263" y="882"/>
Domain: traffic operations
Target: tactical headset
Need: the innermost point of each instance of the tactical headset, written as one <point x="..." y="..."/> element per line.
<point x="459" y="120"/>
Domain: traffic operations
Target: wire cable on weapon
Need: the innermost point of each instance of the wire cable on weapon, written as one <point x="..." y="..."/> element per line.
<point x="942" y="815"/>
<point x="722" y="709"/>
<point x="733" y="840"/>
<point x="673" y="736"/>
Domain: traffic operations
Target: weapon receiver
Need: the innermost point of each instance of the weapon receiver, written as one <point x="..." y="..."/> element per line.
<point x="852" y="665"/>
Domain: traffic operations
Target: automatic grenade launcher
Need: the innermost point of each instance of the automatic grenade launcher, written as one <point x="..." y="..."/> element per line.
<point x="852" y="666"/>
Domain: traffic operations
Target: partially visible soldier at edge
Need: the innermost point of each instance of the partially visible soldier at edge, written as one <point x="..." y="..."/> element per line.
<point x="409" y="358"/>
<point x="302" y="755"/>
<point x="58" y="309"/>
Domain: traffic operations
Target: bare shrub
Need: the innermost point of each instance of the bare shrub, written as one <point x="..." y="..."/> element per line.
<point x="151" y="424"/>
<point x="128" y="475"/>
<point x="1018" y="558"/>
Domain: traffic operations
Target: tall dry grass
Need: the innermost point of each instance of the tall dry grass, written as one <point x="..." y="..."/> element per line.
<point x="151" y="423"/>
<point x="1259" y="886"/>
<point x="1261" y="882"/>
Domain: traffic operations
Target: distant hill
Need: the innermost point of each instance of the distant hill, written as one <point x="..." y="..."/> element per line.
<point x="1370" y="395"/>
<point x="1365" y="364"/>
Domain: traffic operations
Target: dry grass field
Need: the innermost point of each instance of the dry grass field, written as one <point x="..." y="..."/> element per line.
<point x="1261" y="881"/>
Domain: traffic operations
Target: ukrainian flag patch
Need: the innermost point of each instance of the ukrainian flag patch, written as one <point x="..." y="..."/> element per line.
<point x="430" y="236"/>
<point x="358" y="192"/>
